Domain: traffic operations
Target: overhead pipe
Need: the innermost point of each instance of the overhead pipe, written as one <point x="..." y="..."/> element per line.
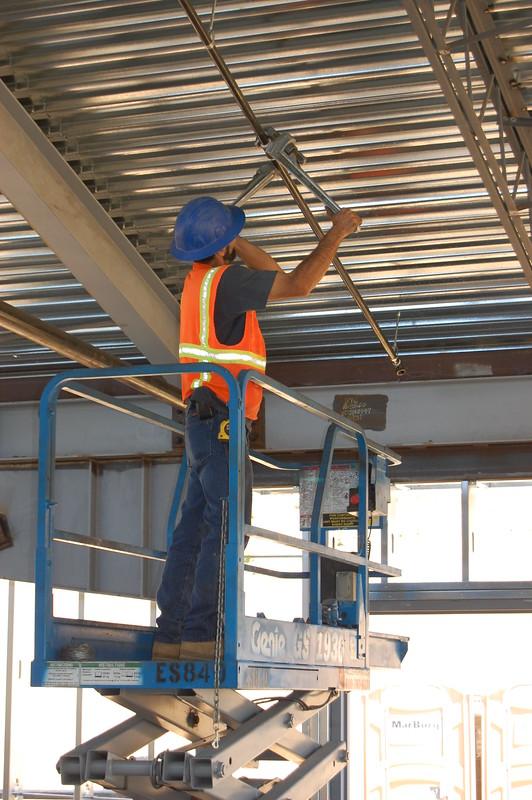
<point x="24" y="324"/>
<point x="291" y="185"/>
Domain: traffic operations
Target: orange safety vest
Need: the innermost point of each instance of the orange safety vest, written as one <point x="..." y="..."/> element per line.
<point x="198" y="340"/>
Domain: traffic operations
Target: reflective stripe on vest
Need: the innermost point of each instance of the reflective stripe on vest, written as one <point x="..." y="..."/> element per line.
<point x="204" y="317"/>
<point x="243" y="357"/>
<point x="203" y="352"/>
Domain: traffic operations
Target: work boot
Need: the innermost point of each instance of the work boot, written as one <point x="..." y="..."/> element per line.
<point x="197" y="651"/>
<point x="165" y="651"/>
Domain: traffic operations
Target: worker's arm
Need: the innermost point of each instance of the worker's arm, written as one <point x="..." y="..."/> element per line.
<point x="302" y="280"/>
<point x="255" y="257"/>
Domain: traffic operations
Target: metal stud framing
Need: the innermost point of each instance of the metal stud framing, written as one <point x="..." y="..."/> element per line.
<point x="432" y="28"/>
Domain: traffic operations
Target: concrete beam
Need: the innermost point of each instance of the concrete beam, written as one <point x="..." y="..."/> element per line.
<point x="58" y="205"/>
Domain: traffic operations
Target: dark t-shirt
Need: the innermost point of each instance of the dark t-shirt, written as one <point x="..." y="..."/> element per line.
<point x="240" y="290"/>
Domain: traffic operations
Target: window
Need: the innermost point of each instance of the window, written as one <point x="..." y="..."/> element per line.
<point x="500" y="526"/>
<point x="278" y="599"/>
<point x="424" y="530"/>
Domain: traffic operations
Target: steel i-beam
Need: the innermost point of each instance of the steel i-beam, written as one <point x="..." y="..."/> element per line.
<point x="24" y="324"/>
<point x="438" y="53"/>
<point x="264" y="139"/>
<point x="58" y="205"/>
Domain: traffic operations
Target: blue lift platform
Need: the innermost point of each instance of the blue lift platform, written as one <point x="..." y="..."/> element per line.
<point x="202" y="700"/>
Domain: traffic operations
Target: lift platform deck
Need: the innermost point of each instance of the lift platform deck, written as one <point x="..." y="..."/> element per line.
<point x="275" y="655"/>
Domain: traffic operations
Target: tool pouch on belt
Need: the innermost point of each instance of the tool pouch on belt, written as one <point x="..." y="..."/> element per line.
<point x="209" y="405"/>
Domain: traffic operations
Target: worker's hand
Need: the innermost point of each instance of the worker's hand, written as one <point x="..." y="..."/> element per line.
<point x="345" y="222"/>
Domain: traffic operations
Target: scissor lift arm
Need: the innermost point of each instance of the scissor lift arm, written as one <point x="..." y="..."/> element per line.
<point x="250" y="734"/>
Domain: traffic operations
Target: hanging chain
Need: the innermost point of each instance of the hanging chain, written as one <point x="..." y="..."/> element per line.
<point x="218" y="644"/>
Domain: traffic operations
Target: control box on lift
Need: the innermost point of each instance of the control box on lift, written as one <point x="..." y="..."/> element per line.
<point x="338" y="526"/>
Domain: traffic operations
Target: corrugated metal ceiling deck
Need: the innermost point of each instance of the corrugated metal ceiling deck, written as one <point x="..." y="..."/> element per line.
<point x="129" y="93"/>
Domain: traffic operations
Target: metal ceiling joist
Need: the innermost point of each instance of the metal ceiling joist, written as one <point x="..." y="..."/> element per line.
<point x="439" y="54"/>
<point x="481" y="38"/>
<point x="53" y="199"/>
<point x="264" y="139"/>
<point x="490" y="54"/>
<point x="130" y="103"/>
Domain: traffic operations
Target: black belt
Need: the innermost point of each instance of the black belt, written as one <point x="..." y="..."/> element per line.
<point x="207" y="409"/>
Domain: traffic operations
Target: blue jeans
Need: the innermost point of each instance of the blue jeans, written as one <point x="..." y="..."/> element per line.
<point x="187" y="597"/>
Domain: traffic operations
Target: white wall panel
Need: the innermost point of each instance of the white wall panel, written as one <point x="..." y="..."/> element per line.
<point x="117" y="514"/>
<point x="440" y="412"/>
<point x="82" y="428"/>
<point x="71" y="563"/>
<point x="86" y="429"/>
<point x="162" y="482"/>
<point x="18" y="500"/>
<point x="118" y="517"/>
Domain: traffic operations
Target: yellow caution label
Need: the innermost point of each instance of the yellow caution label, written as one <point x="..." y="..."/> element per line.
<point x="223" y="433"/>
<point x="339" y="519"/>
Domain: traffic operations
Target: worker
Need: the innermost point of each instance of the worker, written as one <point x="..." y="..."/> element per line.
<point x="219" y="325"/>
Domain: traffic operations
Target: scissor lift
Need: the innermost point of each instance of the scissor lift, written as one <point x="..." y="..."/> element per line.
<point x="201" y="700"/>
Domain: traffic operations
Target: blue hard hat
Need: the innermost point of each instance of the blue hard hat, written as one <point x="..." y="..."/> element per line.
<point x="203" y="227"/>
